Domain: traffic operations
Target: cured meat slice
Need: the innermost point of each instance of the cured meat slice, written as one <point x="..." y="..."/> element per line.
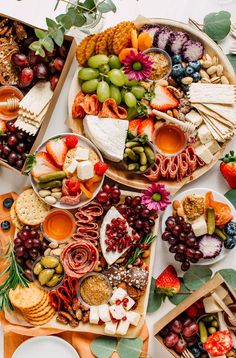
<point x="91" y="104"/>
<point x="78" y="108"/>
<point x="192" y="159"/>
<point x="154" y="173"/>
<point x="63" y="296"/>
<point x="111" y="110"/>
<point x="174" y="167"/>
<point x="183" y="165"/>
<point x="165" y="167"/>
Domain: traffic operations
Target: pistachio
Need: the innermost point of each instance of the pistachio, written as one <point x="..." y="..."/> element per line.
<point x="187" y="80"/>
<point x="207" y="64"/>
<point x="47" y="252"/>
<point x="50" y="200"/>
<point x="211" y="70"/>
<point x="224" y="80"/>
<point x="215" y="79"/>
<point x="220" y="70"/>
<point x="53" y="245"/>
<point x="57" y="195"/>
<point x="43" y="193"/>
<point x="55" y="190"/>
<point x="204" y="74"/>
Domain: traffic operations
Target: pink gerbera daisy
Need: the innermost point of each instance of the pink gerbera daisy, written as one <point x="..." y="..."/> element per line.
<point x="137" y="66"/>
<point x="156" y="197"/>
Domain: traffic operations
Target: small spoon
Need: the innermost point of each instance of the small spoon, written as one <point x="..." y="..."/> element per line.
<point x="232" y="317"/>
<point x="11" y="104"/>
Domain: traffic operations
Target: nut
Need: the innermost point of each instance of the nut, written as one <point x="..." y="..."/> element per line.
<point x="180" y="212"/>
<point x="50" y="200"/>
<point x="175" y="113"/>
<point x="53" y="245"/>
<point x="187" y="80"/>
<point x="79" y="314"/>
<point x="98" y="267"/>
<point x="176" y="92"/>
<point x="163" y="83"/>
<point x="43" y="193"/>
<point x="215" y="60"/>
<point x="47" y="252"/>
<point x="172" y="82"/>
<point x="57" y="195"/>
<point x="176" y="204"/>
<point x="146" y="254"/>
<point x="169" y="112"/>
<point x="62" y="246"/>
<point x="120" y="260"/>
<point x="56" y="252"/>
<point x="211" y="70"/>
<point x="220" y="70"/>
<point x="204" y="74"/>
<point x="224" y="80"/>
<point x="201" y="61"/>
<point x="215" y="79"/>
<point x="55" y="190"/>
<point x="208" y="57"/>
<point x="207" y="64"/>
<point x="205" y="80"/>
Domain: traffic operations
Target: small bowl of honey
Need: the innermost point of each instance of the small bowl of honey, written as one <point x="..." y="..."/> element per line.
<point x="7" y="92"/>
<point x="169" y="139"/>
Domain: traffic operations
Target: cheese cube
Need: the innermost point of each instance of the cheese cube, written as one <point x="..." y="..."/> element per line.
<point x="104" y="314"/>
<point x="210" y="305"/>
<point x="213" y="146"/>
<point x="85" y="170"/>
<point x="129" y="304"/>
<point x="118" y="294"/>
<point x="221" y="292"/>
<point x="199" y="226"/>
<point x="110" y="327"/>
<point x="117" y="311"/>
<point x="123" y="327"/>
<point x="93" y="315"/>
<point x="204" y="134"/>
<point x="81" y="153"/>
<point x="72" y="167"/>
<point x="133" y="317"/>
<point x="228" y="300"/>
<point x="194" y="117"/>
<point x="204" y="153"/>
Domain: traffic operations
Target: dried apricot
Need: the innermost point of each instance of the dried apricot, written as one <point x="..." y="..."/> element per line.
<point x="144" y="41"/>
<point x="134" y="39"/>
<point x="126" y="52"/>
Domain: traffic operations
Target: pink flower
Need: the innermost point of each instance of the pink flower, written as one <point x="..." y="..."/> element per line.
<point x="137" y="66"/>
<point x="155" y="197"/>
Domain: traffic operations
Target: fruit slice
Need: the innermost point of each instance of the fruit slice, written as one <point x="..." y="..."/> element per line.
<point x="126" y="52"/>
<point x="168" y="282"/>
<point x="163" y="99"/>
<point x="57" y="149"/>
<point x="146" y="127"/>
<point x="133" y="126"/>
<point x="3" y="126"/>
<point x="43" y="164"/>
<point x="144" y="41"/>
<point x="134" y="39"/>
<point x="222" y="211"/>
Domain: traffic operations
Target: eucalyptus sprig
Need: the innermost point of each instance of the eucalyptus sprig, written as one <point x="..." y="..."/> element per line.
<point x="144" y="243"/>
<point x="15" y="276"/>
<point x="78" y="14"/>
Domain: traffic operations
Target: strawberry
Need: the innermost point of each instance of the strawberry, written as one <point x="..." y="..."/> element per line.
<point x="71" y="141"/>
<point x="57" y="149"/>
<point x="3" y="127"/>
<point x="146" y="127"/>
<point x="228" y="169"/>
<point x="192" y="311"/>
<point x="168" y="282"/>
<point x="42" y="164"/>
<point x="133" y="126"/>
<point x="163" y="99"/>
<point x="100" y="168"/>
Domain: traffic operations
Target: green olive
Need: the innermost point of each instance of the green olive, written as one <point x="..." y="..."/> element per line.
<point x="38" y="268"/>
<point x="45" y="276"/>
<point x="59" y="268"/>
<point x="215" y="324"/>
<point x="49" y="261"/>
<point x="54" y="280"/>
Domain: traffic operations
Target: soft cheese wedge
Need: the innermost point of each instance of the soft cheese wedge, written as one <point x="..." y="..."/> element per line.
<point x="108" y="134"/>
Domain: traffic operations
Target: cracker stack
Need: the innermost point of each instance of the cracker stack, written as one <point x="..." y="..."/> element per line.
<point x="33" y="303"/>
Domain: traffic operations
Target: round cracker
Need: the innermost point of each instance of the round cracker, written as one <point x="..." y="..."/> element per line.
<point x="26" y="297"/>
<point x="14" y="218"/>
<point x="30" y="209"/>
<point x="44" y="303"/>
<point x="122" y="37"/>
<point x="80" y="50"/>
<point x="40" y="315"/>
<point x="91" y="46"/>
<point x="41" y="321"/>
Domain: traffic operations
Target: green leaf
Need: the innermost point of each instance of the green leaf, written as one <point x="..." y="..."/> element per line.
<point x="40" y="33"/>
<point x="232" y="59"/>
<point x="217" y="25"/>
<point x="155" y="299"/>
<point x="106" y="6"/>
<point x="66" y="20"/>
<point x="35" y="45"/>
<point x="80" y="20"/>
<point x="231" y="194"/>
<point x="59" y="17"/>
<point x="130" y="347"/>
<point x="179" y="297"/>
<point x="48" y="43"/>
<point x="59" y="37"/>
<point x="229" y="275"/>
<point x="196" y="276"/>
<point x="89" y="4"/>
<point x="51" y="23"/>
<point x="103" y="347"/>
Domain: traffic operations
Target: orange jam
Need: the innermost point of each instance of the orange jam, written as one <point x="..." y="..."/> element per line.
<point x="59" y="225"/>
<point x="5" y="93"/>
<point x="170" y="139"/>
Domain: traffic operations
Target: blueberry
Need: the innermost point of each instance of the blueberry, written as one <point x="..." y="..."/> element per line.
<point x="176" y="59"/>
<point x="195" y="65"/>
<point x="230" y="228"/>
<point x="230" y="243"/>
<point x="185" y="88"/>
<point x="5" y="225"/>
<point x="177" y="70"/>
<point x="196" y="76"/>
<point x="7" y="203"/>
<point x="195" y="351"/>
<point x="189" y="71"/>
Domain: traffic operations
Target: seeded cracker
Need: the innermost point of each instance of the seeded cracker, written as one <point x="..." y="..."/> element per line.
<point x="14" y="218"/>
<point x="101" y="45"/>
<point x="30" y="209"/>
<point x="122" y="37"/>
<point x="110" y="39"/>
<point x="91" y="46"/>
<point x="80" y="51"/>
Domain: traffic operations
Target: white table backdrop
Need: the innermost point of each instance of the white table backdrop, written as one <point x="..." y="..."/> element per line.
<point x="35" y="11"/>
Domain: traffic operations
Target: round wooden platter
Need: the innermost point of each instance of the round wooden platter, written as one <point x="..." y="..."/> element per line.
<point x="115" y="171"/>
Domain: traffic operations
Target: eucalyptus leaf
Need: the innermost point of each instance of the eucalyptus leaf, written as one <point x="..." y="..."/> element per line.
<point x="48" y="43"/>
<point x="229" y="275"/>
<point x="231" y="194"/>
<point x="40" y="52"/>
<point x="80" y="20"/>
<point x="59" y="37"/>
<point x="66" y="21"/>
<point x="40" y="33"/>
<point x="155" y="299"/>
<point x="59" y="17"/>
<point x="217" y="25"/>
<point x="232" y="59"/>
<point x="106" y="6"/>
<point x="89" y="4"/>
<point x="103" y="347"/>
<point x="130" y="347"/>
<point x="35" y="45"/>
<point x="179" y="297"/>
<point x="197" y="276"/>
<point x="51" y="23"/>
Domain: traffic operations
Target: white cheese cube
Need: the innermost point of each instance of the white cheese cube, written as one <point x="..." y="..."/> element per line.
<point x="93" y="315"/>
<point x="129" y="304"/>
<point x="104" y="314"/>
<point x="85" y="170"/>
<point x="199" y="226"/>
<point x="204" y="153"/>
<point x="204" y="134"/>
<point x="133" y="317"/>
<point x="110" y="327"/>
<point x="72" y="167"/>
<point x="117" y="311"/>
<point x="194" y="117"/>
<point x="118" y="294"/>
<point x="123" y="327"/>
<point x="81" y="153"/>
<point x="221" y="292"/>
<point x="210" y="305"/>
<point x="213" y="146"/>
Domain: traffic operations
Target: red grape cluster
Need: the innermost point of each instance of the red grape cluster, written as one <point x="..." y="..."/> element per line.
<point x="138" y="216"/>
<point x="182" y="240"/>
<point x="108" y="196"/>
<point x="14" y="145"/>
<point x="34" y="67"/>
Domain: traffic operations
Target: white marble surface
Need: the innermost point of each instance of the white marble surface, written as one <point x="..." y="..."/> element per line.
<point x="35" y="11"/>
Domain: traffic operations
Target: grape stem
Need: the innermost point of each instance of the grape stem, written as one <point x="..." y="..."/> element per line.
<point x="185" y="293"/>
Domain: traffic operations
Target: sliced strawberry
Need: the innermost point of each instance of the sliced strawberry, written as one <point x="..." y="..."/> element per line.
<point x="163" y="99"/>
<point x="71" y="141"/>
<point x="3" y="127"/>
<point x="57" y="149"/>
<point x="133" y="126"/>
<point x="100" y="168"/>
<point x="146" y="127"/>
<point x="43" y="164"/>
<point x="168" y="282"/>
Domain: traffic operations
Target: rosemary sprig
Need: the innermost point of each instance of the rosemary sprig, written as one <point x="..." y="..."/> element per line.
<point x="145" y="242"/>
<point x="15" y="276"/>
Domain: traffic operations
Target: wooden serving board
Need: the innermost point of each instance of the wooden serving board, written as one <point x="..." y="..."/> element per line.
<point x="15" y="318"/>
<point x="115" y="171"/>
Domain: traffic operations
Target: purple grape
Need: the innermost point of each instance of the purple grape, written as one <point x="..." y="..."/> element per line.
<point x="185" y="265"/>
<point x="166" y="235"/>
<point x="41" y="71"/>
<point x="180" y="257"/>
